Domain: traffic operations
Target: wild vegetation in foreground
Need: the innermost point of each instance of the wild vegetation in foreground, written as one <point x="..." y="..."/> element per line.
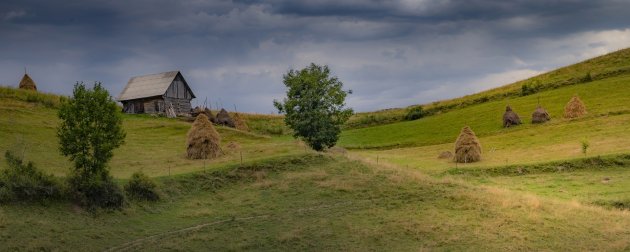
<point x="319" y="202"/>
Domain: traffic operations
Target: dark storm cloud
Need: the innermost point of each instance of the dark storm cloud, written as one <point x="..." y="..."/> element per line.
<point x="391" y="53"/>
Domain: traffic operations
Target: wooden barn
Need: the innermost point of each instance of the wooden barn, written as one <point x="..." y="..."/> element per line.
<point x="156" y="93"/>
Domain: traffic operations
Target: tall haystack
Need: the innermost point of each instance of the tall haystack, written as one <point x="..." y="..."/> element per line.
<point x="540" y="115"/>
<point x="239" y="123"/>
<point x="203" y="139"/>
<point x="198" y="110"/>
<point x="224" y="118"/>
<point x="575" y="108"/>
<point x="27" y="83"/>
<point x="510" y="118"/>
<point x="467" y="147"/>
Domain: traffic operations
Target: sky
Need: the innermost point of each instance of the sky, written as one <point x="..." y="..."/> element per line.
<point x="392" y="53"/>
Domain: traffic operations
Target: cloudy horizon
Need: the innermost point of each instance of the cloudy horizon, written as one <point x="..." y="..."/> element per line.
<point x="390" y="53"/>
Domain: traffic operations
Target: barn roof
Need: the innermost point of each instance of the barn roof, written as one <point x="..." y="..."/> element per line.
<point x="149" y="85"/>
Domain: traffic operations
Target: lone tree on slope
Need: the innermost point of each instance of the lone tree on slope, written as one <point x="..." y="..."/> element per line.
<point x="90" y="129"/>
<point x="314" y="105"/>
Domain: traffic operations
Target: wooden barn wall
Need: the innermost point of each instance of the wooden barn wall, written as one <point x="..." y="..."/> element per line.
<point x="181" y="106"/>
<point x="147" y="105"/>
<point x="178" y="90"/>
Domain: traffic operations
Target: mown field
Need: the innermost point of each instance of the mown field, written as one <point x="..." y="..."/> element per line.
<point x="598" y="68"/>
<point x="533" y="190"/>
<point x="319" y="202"/>
<point x="156" y="146"/>
<point x="608" y="97"/>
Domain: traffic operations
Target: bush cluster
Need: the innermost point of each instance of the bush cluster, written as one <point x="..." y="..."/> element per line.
<point x="414" y="113"/>
<point x="141" y="187"/>
<point x="24" y="182"/>
<point x="99" y="191"/>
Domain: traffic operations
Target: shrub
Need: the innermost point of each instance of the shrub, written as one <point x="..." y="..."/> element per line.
<point x="141" y="187"/>
<point x="414" y="113"/>
<point x="24" y="182"/>
<point x="98" y="191"/>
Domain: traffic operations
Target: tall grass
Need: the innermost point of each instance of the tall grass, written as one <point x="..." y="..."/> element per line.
<point x="45" y="99"/>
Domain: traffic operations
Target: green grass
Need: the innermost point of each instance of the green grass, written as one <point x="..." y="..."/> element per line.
<point x="602" y="67"/>
<point x="287" y="198"/>
<point x="156" y="146"/>
<point x="602" y="98"/>
<point x="319" y="203"/>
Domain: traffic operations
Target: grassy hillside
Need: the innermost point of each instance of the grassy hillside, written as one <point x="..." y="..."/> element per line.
<point x="156" y="146"/>
<point x="606" y="97"/>
<point x="603" y="67"/>
<point x="319" y="203"/>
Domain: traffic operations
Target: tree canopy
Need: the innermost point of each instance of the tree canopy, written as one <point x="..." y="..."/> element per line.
<point x="314" y="105"/>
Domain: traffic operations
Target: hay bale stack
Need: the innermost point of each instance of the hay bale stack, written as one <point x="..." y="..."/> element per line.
<point x="445" y="155"/>
<point x="239" y="123"/>
<point x="540" y="115"/>
<point x="467" y="147"/>
<point x="203" y="139"/>
<point x="27" y="83"/>
<point x="510" y="118"/>
<point x="575" y="108"/>
<point x="210" y="116"/>
<point x="224" y="118"/>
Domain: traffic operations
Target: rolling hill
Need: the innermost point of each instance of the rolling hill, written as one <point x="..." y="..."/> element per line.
<point x="533" y="190"/>
<point x="598" y="68"/>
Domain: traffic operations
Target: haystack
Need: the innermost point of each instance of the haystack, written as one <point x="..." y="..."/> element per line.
<point x="203" y="139"/>
<point x="198" y="110"/>
<point x="540" y="115"/>
<point x="467" y="147"/>
<point x="445" y="155"/>
<point x="239" y="123"/>
<point x="510" y="118"/>
<point x="27" y="83"/>
<point x="210" y="116"/>
<point x="575" y="108"/>
<point x="224" y="118"/>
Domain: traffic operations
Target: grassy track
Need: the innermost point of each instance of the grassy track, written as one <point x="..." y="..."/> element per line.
<point x="323" y="203"/>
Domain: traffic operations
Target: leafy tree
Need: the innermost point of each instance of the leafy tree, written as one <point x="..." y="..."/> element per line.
<point x="90" y="129"/>
<point x="314" y="105"/>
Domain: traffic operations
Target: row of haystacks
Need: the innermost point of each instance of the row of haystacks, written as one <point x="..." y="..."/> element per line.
<point x="222" y="118"/>
<point x="575" y="108"/>
<point x="468" y="148"/>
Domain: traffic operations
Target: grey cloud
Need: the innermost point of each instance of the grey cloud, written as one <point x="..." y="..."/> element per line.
<point x="391" y="53"/>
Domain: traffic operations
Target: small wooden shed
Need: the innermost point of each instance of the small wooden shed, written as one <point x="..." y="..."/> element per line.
<point x="155" y="93"/>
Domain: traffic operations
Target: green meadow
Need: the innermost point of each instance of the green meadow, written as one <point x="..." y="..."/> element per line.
<point x="384" y="188"/>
